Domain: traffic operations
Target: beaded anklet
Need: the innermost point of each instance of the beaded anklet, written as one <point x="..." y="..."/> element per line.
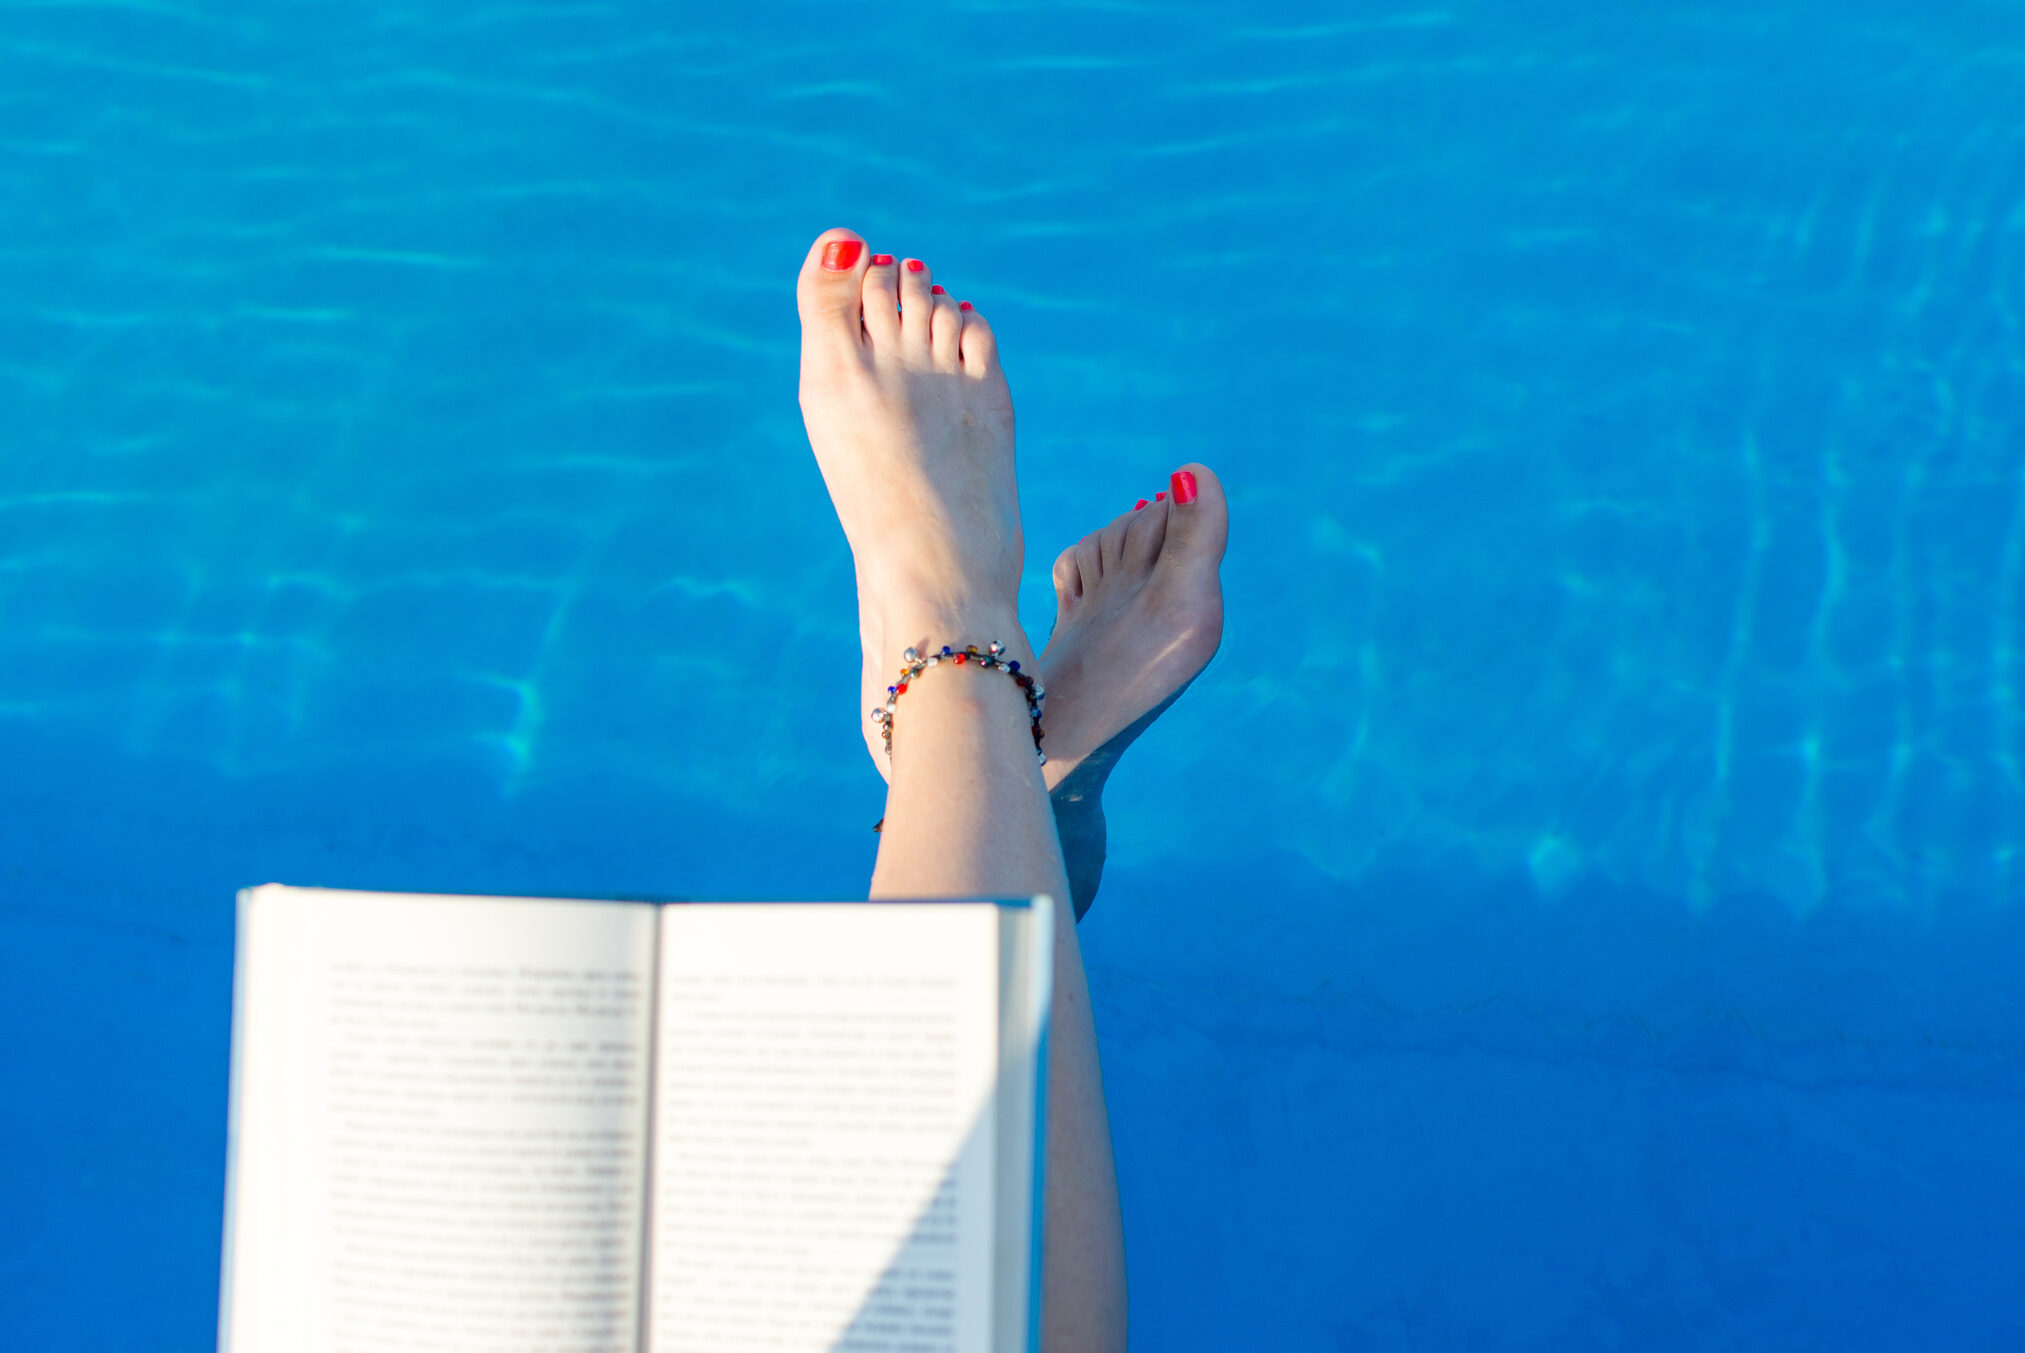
<point x="992" y="659"/>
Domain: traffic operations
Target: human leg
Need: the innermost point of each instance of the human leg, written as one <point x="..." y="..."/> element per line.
<point x="1139" y="613"/>
<point x="911" y="421"/>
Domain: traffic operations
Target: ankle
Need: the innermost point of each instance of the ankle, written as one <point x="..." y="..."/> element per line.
<point x="928" y="623"/>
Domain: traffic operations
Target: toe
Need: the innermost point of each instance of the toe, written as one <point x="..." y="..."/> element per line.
<point x="1068" y="577"/>
<point x="829" y="289"/>
<point x="946" y="331"/>
<point x="1111" y="540"/>
<point x="1198" y="516"/>
<point x="979" y="346"/>
<point x="917" y="306"/>
<point x="1184" y="583"/>
<point x="1090" y="559"/>
<point x="1145" y="532"/>
<point x="882" y="300"/>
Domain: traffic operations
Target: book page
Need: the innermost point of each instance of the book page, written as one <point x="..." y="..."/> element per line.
<point x="440" y="1111"/>
<point x="824" y="1129"/>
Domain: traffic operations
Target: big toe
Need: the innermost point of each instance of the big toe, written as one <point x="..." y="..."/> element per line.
<point x="829" y="290"/>
<point x="1198" y="518"/>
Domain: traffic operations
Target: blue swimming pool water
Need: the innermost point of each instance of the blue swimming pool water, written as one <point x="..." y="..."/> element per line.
<point x="1580" y="908"/>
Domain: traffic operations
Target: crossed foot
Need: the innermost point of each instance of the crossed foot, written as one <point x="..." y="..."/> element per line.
<point x="912" y="425"/>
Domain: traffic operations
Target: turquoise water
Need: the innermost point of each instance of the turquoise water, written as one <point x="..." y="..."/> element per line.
<point x="1580" y="907"/>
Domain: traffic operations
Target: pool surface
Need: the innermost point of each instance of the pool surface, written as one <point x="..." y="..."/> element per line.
<point x="1582" y="907"/>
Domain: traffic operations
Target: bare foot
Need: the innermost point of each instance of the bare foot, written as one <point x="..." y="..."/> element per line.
<point x="912" y="426"/>
<point x="1140" y="614"/>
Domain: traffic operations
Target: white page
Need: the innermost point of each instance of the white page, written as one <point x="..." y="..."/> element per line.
<point x="823" y="1130"/>
<point x="439" y="1121"/>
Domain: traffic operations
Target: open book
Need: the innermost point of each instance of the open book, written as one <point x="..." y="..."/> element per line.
<point x="507" y="1125"/>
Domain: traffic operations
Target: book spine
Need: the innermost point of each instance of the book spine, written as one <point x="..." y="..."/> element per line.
<point x="1041" y="1001"/>
<point x="643" y="1314"/>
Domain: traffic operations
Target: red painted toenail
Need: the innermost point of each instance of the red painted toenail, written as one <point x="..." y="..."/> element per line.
<point x="842" y="255"/>
<point x="1141" y="503"/>
<point x="1159" y="497"/>
<point x="965" y="305"/>
<point x="882" y="260"/>
<point x="1183" y="482"/>
<point x="937" y="290"/>
<point x="915" y="265"/>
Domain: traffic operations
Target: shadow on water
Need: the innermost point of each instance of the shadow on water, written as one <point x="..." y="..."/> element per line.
<point x="1420" y="1109"/>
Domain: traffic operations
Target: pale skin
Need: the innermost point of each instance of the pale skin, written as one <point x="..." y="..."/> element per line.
<point x="911" y="421"/>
